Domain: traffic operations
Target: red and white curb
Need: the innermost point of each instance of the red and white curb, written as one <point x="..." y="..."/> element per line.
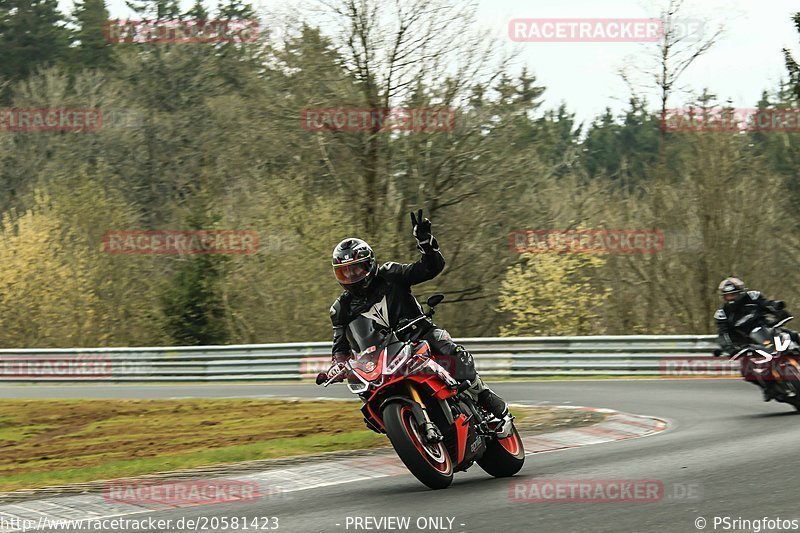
<point x="616" y="426"/>
<point x="279" y="484"/>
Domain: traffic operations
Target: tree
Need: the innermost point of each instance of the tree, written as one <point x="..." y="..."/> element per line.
<point x="396" y="54"/>
<point x="780" y="149"/>
<point x="192" y="305"/>
<point x="197" y="12"/>
<point x="670" y="57"/>
<point x="623" y="150"/>
<point x="32" y="35"/>
<point x="93" y="49"/>
<point x="156" y="9"/>
<point x="705" y="211"/>
<point x="46" y="298"/>
<point x="236" y="10"/>
<point x="58" y="287"/>
<point x="791" y="64"/>
<point x="552" y="294"/>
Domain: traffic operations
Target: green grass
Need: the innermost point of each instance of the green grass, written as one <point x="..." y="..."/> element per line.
<point x="53" y="442"/>
<point x="46" y="442"/>
<point x="247" y="452"/>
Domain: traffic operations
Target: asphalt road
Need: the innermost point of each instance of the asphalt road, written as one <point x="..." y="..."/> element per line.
<point x="726" y="455"/>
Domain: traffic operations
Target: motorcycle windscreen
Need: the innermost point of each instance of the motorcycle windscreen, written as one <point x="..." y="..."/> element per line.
<point x="362" y="333"/>
<point x="762" y="335"/>
<point x="370" y="363"/>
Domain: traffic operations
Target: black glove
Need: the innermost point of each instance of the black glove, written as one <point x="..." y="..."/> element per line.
<point x="322" y="377"/>
<point x="336" y="359"/>
<point x="422" y="228"/>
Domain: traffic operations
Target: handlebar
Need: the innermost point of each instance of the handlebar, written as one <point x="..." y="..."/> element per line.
<point x="408" y="324"/>
<point x="782" y="322"/>
<point x="757" y="349"/>
<point x="336" y="370"/>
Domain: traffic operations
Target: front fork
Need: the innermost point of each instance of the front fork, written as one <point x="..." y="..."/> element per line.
<point x="431" y="433"/>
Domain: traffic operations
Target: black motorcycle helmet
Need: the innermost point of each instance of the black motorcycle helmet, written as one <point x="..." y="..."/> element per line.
<point x="354" y="265"/>
<point x="731" y="289"/>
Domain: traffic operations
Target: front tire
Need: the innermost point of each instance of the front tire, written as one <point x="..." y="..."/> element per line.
<point x="430" y="463"/>
<point x="503" y="457"/>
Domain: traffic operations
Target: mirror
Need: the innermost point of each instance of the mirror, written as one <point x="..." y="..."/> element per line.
<point x="435" y="300"/>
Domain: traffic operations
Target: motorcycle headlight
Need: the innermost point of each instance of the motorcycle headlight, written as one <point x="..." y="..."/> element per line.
<point x="398" y="361"/>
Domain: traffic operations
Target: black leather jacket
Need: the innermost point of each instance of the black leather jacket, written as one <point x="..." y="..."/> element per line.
<point x="735" y="320"/>
<point x="357" y="322"/>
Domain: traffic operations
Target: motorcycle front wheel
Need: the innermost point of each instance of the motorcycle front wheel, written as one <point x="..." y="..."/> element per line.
<point x="430" y="463"/>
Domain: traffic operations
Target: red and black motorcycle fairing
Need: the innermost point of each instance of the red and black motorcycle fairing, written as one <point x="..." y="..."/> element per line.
<point x="773" y="360"/>
<point x="435" y="428"/>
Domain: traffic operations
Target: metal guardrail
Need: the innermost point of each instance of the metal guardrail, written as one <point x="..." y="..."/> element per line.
<point x="500" y="357"/>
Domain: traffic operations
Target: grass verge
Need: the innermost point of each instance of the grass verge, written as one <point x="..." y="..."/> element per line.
<point x="56" y="442"/>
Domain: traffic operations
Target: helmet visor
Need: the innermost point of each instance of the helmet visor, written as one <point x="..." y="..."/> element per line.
<point x="351" y="273"/>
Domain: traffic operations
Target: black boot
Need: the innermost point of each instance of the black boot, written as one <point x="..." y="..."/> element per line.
<point x="493" y="403"/>
<point x="498" y="407"/>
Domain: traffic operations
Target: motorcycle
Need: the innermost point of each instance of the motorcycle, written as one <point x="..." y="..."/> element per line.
<point x="433" y="423"/>
<point x="772" y="361"/>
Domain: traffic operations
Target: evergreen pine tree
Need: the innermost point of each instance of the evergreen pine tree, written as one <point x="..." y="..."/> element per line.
<point x="93" y="49"/>
<point x="32" y="35"/>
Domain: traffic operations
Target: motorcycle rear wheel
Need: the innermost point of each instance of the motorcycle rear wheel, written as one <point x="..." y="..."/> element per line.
<point x="503" y="457"/>
<point x="430" y="463"/>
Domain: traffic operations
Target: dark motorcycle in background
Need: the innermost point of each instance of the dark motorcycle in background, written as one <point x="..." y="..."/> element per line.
<point x="435" y="427"/>
<point x="772" y="361"/>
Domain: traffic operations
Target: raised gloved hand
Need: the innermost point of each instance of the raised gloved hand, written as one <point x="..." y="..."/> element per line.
<point x="421" y="228"/>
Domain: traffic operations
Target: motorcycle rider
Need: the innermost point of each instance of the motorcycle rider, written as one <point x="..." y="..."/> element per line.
<point x="383" y="294"/>
<point x="740" y="312"/>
